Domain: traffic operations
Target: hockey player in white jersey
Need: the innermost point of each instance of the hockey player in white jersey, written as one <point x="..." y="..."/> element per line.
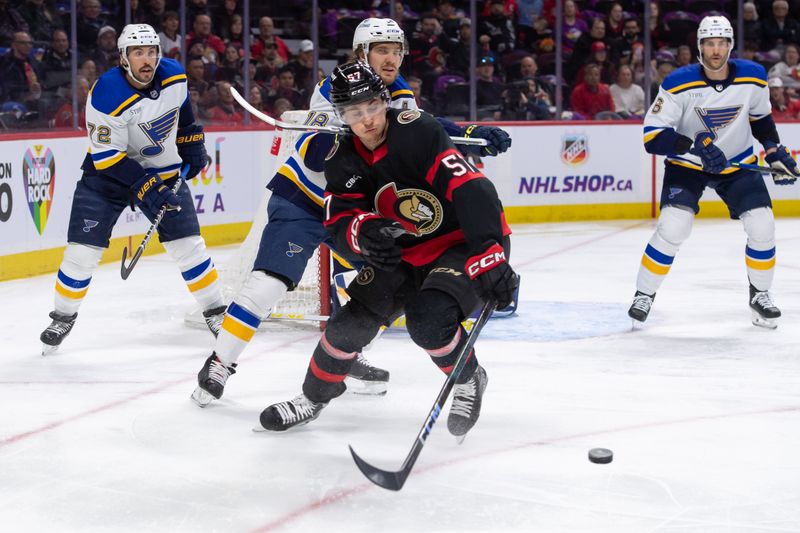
<point x="705" y="117"/>
<point x="141" y="133"/>
<point x="295" y="215"/>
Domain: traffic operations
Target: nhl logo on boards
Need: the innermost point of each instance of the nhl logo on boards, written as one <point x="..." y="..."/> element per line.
<point x="365" y="276"/>
<point x="574" y="149"/>
<point x="407" y="117"/>
<point x="418" y="211"/>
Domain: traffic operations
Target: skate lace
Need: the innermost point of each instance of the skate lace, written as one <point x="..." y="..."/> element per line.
<point x="642" y="302"/>
<point x="60" y="327"/>
<point x="218" y="372"/>
<point x="763" y="299"/>
<point x="463" y="398"/>
<point x="215" y="322"/>
<point x="297" y="409"/>
<point x="361" y="363"/>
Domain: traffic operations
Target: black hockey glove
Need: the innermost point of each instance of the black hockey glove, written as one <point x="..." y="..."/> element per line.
<point x="151" y="192"/>
<point x="191" y="143"/>
<point x="374" y="237"/>
<point x="499" y="140"/>
<point x="493" y="275"/>
<point x="784" y="164"/>
<point x="714" y="160"/>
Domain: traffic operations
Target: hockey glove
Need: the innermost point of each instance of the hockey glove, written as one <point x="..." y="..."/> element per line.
<point x="499" y="140"/>
<point x="191" y="143"/>
<point x="153" y="194"/>
<point x="786" y="167"/>
<point x="714" y="160"/>
<point x="374" y="237"/>
<point x="493" y="275"/>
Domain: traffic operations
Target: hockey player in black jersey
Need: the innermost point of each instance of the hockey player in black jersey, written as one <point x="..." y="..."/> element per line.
<point x="401" y="198"/>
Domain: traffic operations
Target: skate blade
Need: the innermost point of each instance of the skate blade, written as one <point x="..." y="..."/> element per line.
<point x="366" y="388"/>
<point x="460" y="439"/>
<point x="201" y="397"/>
<point x="763" y="322"/>
<point x="48" y="349"/>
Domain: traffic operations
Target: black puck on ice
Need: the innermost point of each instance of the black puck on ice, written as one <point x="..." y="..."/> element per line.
<point x="601" y="455"/>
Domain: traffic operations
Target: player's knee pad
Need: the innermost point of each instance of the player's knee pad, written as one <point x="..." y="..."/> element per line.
<point x="432" y="319"/>
<point x="675" y="224"/>
<point x="187" y="251"/>
<point x="352" y="327"/>
<point x="80" y="260"/>
<point x="260" y="293"/>
<point x="759" y="224"/>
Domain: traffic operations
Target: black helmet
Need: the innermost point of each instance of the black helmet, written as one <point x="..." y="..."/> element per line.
<point x="355" y="82"/>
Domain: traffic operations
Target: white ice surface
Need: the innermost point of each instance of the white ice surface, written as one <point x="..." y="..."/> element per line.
<point x="701" y="409"/>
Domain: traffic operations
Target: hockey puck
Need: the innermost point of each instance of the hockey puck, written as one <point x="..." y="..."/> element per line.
<point x="601" y="455"/>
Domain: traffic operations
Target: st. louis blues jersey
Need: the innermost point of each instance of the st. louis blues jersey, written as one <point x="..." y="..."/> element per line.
<point x="301" y="178"/>
<point x="130" y="130"/>
<point x="689" y="103"/>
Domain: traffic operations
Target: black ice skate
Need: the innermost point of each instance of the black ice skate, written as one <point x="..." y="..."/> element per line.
<point x="763" y="309"/>
<point x="58" y="329"/>
<point x="640" y="307"/>
<point x="466" y="406"/>
<point x="286" y="415"/>
<point x="211" y="380"/>
<point x="214" y="318"/>
<point x="364" y="378"/>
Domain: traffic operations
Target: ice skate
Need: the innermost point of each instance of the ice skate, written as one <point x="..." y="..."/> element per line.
<point x="58" y="329"/>
<point x="763" y="309"/>
<point x="641" y="305"/>
<point x="214" y="318"/>
<point x="466" y="406"/>
<point x="366" y="379"/>
<point x="286" y="415"/>
<point x="211" y="381"/>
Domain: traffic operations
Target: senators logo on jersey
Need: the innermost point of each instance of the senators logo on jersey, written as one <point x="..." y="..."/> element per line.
<point x="417" y="210"/>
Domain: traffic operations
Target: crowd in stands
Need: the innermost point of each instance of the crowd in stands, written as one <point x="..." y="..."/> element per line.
<point x="603" y="53"/>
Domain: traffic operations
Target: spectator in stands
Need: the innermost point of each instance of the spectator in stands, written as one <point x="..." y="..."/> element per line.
<point x="235" y="32"/>
<point x="615" y="21"/>
<point x="41" y="19"/>
<point x="226" y="111"/>
<point x="266" y="27"/>
<point x="529" y="11"/>
<point x="787" y="70"/>
<point x="489" y="90"/>
<point x="268" y="65"/>
<point x="684" y="56"/>
<point x="415" y="84"/>
<point x="213" y="47"/>
<point x="782" y="106"/>
<point x="591" y="96"/>
<point x="659" y="34"/>
<point x="56" y="63"/>
<point x="499" y="27"/>
<point x="573" y="26"/>
<point x="622" y="48"/>
<point x="287" y="89"/>
<point x="88" y="70"/>
<point x="19" y="74"/>
<point x="11" y="22"/>
<point x="582" y="51"/>
<point x="223" y="17"/>
<point x="64" y="116"/>
<point x="195" y="8"/>
<point x="105" y="55"/>
<point x="90" y="20"/>
<point x="628" y="97"/>
<point x="230" y="66"/>
<point x="257" y="99"/>
<point x="194" y="100"/>
<point x="420" y="45"/>
<point x="449" y="19"/>
<point x="303" y="68"/>
<point x="154" y="14"/>
<point x="781" y="29"/>
<point x="169" y="36"/>
<point x="457" y="49"/>
<point x="608" y="72"/>
<point x="752" y="26"/>
<point x="749" y="51"/>
<point x="525" y="100"/>
<point x="281" y="106"/>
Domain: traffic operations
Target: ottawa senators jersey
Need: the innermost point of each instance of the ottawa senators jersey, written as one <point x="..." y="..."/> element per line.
<point x="418" y="178"/>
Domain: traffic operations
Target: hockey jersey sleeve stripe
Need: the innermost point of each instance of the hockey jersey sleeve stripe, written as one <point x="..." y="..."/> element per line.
<point x="754" y="81"/>
<point x="109" y="161"/>
<point x="125" y="105"/>
<point x="687" y="86"/>
<point x="650" y="135"/>
<point x="457" y="180"/>
<point x="173" y="80"/>
<point x="292" y="172"/>
<point x="403" y="92"/>
<point x="338" y="216"/>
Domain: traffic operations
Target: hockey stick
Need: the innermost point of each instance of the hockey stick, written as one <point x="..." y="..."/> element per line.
<point x="325" y="129"/>
<point x="759" y="168"/>
<point x="125" y="271"/>
<point x="394" y="480"/>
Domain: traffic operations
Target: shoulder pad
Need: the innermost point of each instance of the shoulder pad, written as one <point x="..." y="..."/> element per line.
<point x="684" y="78"/>
<point x="750" y="69"/>
<point x="111" y="94"/>
<point x="170" y="71"/>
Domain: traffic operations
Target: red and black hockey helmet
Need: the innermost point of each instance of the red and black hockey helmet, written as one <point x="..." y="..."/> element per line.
<point x="355" y="82"/>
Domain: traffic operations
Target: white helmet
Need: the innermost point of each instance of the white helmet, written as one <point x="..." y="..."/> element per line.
<point x="136" y="35"/>
<point x="714" y="26"/>
<point x="374" y="30"/>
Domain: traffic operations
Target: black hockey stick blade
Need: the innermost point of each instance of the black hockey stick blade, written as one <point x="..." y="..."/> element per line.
<point x="124" y="270"/>
<point x="383" y="478"/>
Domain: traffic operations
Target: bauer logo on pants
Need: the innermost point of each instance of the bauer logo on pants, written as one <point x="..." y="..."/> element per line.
<point x="39" y="175"/>
<point x="574" y="149"/>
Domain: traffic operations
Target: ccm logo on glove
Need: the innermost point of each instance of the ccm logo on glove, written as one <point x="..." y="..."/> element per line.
<point x="478" y="264"/>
